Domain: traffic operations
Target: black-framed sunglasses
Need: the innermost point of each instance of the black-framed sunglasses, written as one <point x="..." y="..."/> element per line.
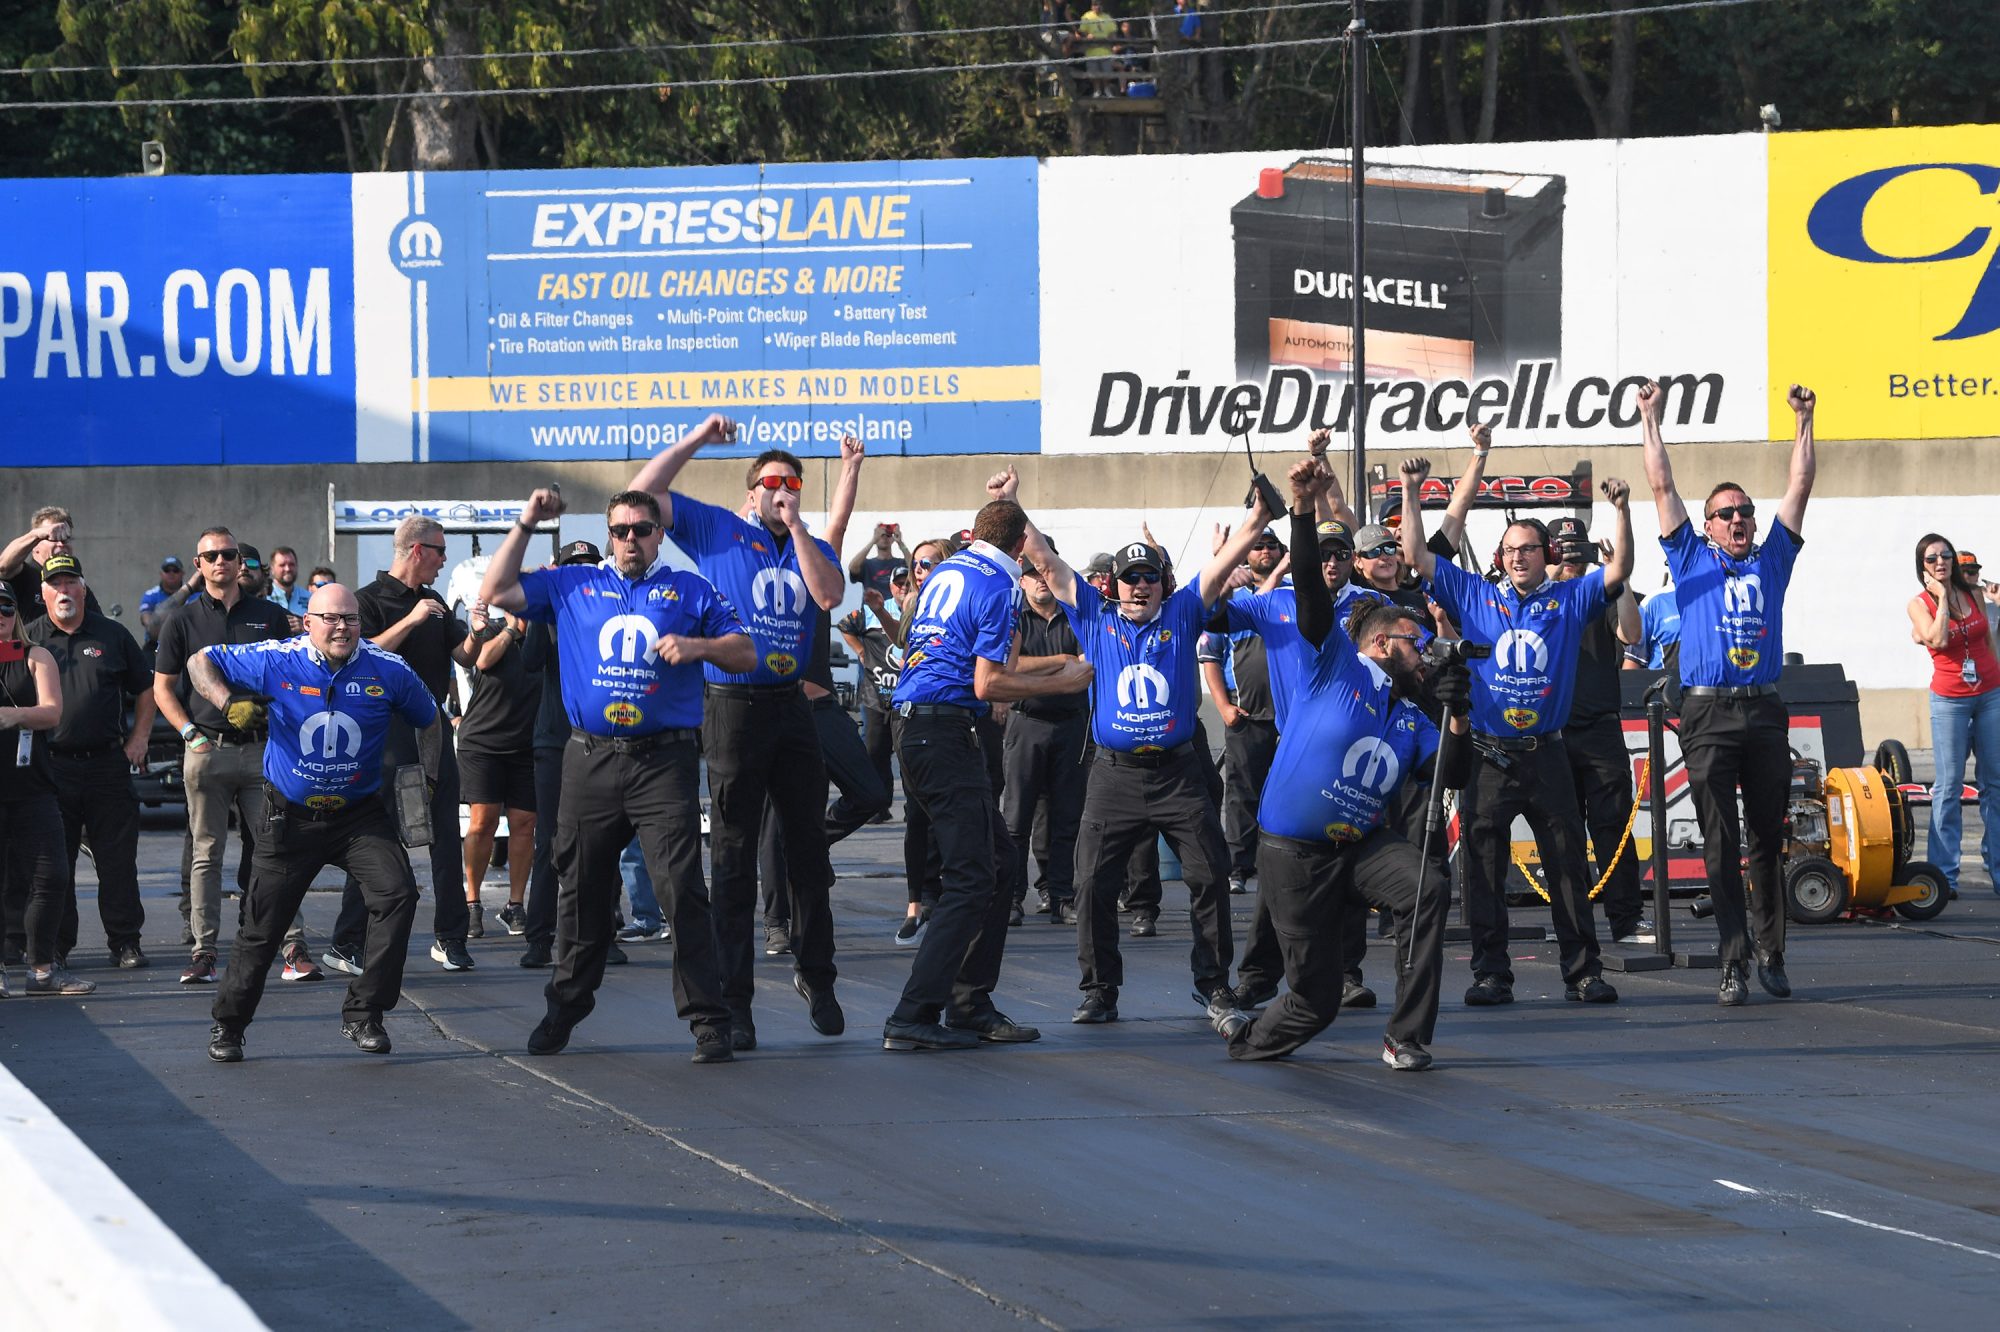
<point x="1134" y="577"/>
<point x="7" y="608"/>
<point x="432" y="545"/>
<point x="791" y="483"/>
<point x="633" y="531"/>
<point x="227" y="555"/>
<point x="1729" y="511"/>
<point x="1262" y="544"/>
<point x="1942" y="555"/>
<point x="1381" y="552"/>
<point x="1407" y="638"/>
<point x="1337" y="553"/>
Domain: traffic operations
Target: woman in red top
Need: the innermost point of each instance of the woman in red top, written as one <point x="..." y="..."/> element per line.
<point x="1948" y="618"/>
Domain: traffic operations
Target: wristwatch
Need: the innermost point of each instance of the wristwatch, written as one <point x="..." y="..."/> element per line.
<point x="190" y="731"/>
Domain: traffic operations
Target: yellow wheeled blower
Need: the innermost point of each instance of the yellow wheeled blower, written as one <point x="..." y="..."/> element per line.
<point x="1848" y="838"/>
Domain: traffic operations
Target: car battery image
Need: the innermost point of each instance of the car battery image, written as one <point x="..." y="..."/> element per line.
<point x="1464" y="271"/>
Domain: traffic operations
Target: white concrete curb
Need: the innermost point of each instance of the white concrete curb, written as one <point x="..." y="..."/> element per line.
<point x="81" y="1250"/>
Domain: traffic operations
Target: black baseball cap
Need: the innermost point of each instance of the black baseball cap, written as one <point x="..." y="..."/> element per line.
<point x="1137" y="555"/>
<point x="579" y="552"/>
<point x="1334" y="536"/>
<point x="252" y="557"/>
<point x="171" y="562"/>
<point x="62" y="564"/>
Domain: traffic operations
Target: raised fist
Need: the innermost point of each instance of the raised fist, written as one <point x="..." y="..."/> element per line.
<point x="786" y="505"/>
<point x="1308" y="481"/>
<point x="1317" y="441"/>
<point x="543" y="505"/>
<point x="1650" y="402"/>
<point x="852" y="450"/>
<point x="1482" y="436"/>
<point x="1004" y="485"/>
<point x="717" y="429"/>
<point x="1801" y="400"/>
<point x="1416" y="471"/>
<point x="1616" y="492"/>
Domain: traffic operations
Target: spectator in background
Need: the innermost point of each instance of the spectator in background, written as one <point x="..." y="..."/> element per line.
<point x="1948" y="619"/>
<point x="1097" y="30"/>
<point x="285" y="590"/>
<point x="496" y="757"/>
<point x="321" y="575"/>
<point x="1659" y="645"/>
<point x="1969" y="567"/>
<point x="151" y="616"/>
<point x="873" y="567"/>
<point x="22" y="560"/>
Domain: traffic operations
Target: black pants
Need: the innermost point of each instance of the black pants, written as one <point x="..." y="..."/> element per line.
<point x="1601" y="767"/>
<point x="1043" y="761"/>
<point x="1536" y="785"/>
<point x="449" y="916"/>
<point x="862" y="797"/>
<point x="763" y="746"/>
<point x="31" y="853"/>
<point x="958" y="961"/>
<point x="878" y="734"/>
<point x="608" y="795"/>
<point x="291" y="851"/>
<point x="1247" y="750"/>
<point x="1310" y="888"/>
<point x="1129" y="801"/>
<point x="95" y="796"/>
<point x="1733" y="743"/>
<point x="543" y="881"/>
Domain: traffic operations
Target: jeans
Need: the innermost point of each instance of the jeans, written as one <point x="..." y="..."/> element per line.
<point x="1960" y="726"/>
<point x="639" y="886"/>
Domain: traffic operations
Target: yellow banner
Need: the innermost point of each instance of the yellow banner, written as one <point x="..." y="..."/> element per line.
<point x="1885" y="280"/>
<point x="740" y="389"/>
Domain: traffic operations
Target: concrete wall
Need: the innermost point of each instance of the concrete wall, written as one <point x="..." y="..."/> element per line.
<point x="1872" y="500"/>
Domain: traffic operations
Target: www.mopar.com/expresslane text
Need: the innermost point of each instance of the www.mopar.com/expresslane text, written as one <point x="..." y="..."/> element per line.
<point x="762" y="432"/>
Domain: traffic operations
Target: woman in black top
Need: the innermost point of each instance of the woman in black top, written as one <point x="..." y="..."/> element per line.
<point x="31" y="845"/>
<point x="496" y="761"/>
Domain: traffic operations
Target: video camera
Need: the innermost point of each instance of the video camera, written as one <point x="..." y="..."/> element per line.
<point x="1442" y="652"/>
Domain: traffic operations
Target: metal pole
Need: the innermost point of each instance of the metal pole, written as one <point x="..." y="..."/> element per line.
<point x="1357" y="46"/>
<point x="1656" y="813"/>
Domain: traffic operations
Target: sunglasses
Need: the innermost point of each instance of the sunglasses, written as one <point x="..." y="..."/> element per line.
<point x="1729" y="511"/>
<point x="6" y="608"/>
<point x="1337" y="553"/>
<point x="428" y="545"/>
<point x="1381" y="552"/>
<point x="631" y="531"/>
<point x="1136" y="577"/>
<point x="319" y="583"/>
<point x="1406" y="638"/>
<point x="791" y="483"/>
<point x="228" y="555"/>
<point x="1941" y="557"/>
<point x="926" y="564"/>
<point x="324" y="618"/>
<point x="1265" y="545"/>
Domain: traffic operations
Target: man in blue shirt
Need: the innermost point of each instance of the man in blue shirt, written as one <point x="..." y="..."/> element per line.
<point x="1353" y="740"/>
<point x="961" y="656"/>
<point x="758" y="734"/>
<point x="327" y="698"/>
<point x="1520" y="702"/>
<point x="632" y="636"/>
<point x="1734" y="726"/>
<point x="1659" y="642"/>
<point x="1149" y="777"/>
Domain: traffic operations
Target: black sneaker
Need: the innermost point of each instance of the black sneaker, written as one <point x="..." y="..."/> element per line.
<point x="910" y="932"/>
<point x="1253" y="995"/>
<point x="614" y="956"/>
<point x="1405" y="1056"/>
<point x="1594" y="990"/>
<point x="1015" y="915"/>
<point x="1771" y="975"/>
<point x="225" y="1045"/>
<point x="712" y="1047"/>
<point x="537" y="954"/>
<point x="1353" y="994"/>
<point x="475" y="920"/>
<point x="642" y="933"/>
<point x="827" y="1019"/>
<point x="898" y="1035"/>
<point x="742" y="1036"/>
<point x="1064" y="912"/>
<point x="515" y="917"/>
<point x="1733" y="990"/>
<point x="368" y="1036"/>
<point x="1097" y="1006"/>
<point x="1489" y="992"/>
<point x="200" y="970"/>
<point x="777" y="940"/>
<point x="128" y="957"/>
<point x="550" y="1035"/>
<point x="1145" y="925"/>
<point x="451" y="955"/>
<point x="342" y="958"/>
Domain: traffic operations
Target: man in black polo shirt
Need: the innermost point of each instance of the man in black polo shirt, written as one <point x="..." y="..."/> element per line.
<point x="401" y="614"/>
<point x="1042" y="754"/>
<point x="224" y="763"/>
<point x="91" y="753"/>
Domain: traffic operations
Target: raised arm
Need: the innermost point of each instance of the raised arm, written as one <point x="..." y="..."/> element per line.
<point x="501" y="587"/>
<point x="46" y="710"/>
<point x="1805" y="461"/>
<point x="841" y="508"/>
<point x="1416" y="553"/>
<point x="1931" y="628"/>
<point x="1618" y="569"/>
<point x="1038" y="552"/>
<point x="1332" y="503"/>
<point x="1309" y="478"/>
<point x="1629" y="628"/>
<point x="16" y="551"/>
<point x="657" y="477"/>
<point x="1452" y="526"/>
<point x="1660" y="472"/>
<point x="1215" y="574"/>
<point x="822" y="575"/>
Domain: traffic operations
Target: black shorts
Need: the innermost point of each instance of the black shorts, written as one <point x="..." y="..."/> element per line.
<point x="497" y="779"/>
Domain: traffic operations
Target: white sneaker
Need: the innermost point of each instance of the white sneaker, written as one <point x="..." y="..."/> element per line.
<point x="1641" y="933"/>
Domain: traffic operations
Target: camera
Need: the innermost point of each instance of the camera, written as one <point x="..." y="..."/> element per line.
<point x="1442" y="652"/>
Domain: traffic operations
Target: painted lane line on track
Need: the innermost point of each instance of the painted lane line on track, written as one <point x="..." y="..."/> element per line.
<point x="1871" y="1225"/>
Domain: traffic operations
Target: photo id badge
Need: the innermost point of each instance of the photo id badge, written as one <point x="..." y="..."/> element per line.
<point x="24" y="752"/>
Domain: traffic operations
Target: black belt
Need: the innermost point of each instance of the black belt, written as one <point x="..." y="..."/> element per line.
<point x="935" y="710"/>
<point x="87" y="751"/>
<point x="1120" y="759"/>
<point x="754" y="691"/>
<point x="636" y="744"/>
<point x="1728" y="691"/>
<point x="1529" y="743"/>
<point x="335" y="806"/>
<point x="1294" y="844"/>
<point x="232" y="738"/>
<point x="1053" y="714"/>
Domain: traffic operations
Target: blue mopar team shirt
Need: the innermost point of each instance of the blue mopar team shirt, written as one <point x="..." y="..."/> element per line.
<point x="1659" y="627"/>
<point x="1274" y="617"/>
<point x="1732" y="611"/>
<point x="759" y="574"/>
<point x="1351" y="742"/>
<point x="327" y="726"/>
<point x="606" y="625"/>
<point x="966" y="611"/>
<point x="1145" y="698"/>
<point x="1525" y="687"/>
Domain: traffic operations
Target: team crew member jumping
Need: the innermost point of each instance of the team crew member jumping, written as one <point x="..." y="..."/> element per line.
<point x="757" y="726"/>
<point x="961" y="657"/>
<point x="1149" y="777"/>
<point x="1352" y="739"/>
<point x="631" y="635"/>
<point x="1520" y="702"/>
<point x="1734" y="727"/>
<point x="328" y="697"/>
